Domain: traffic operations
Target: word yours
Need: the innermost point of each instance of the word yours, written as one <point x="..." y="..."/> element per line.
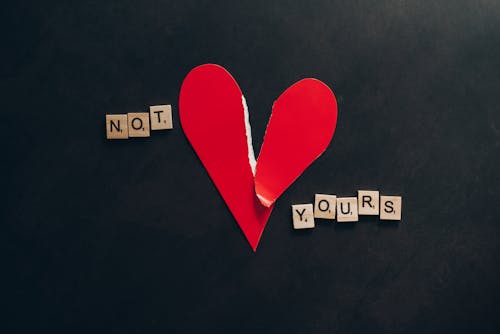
<point x="137" y="124"/>
<point x="347" y="209"/>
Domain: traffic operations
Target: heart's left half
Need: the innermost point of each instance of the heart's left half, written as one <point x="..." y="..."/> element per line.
<point x="212" y="116"/>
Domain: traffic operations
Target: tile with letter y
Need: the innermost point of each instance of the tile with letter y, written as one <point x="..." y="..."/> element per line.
<point x="303" y="216"/>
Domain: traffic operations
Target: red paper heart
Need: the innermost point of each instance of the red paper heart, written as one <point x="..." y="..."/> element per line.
<point x="213" y="117"/>
<point x="302" y="124"/>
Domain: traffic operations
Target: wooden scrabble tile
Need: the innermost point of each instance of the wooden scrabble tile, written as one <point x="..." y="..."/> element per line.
<point x="303" y="216"/>
<point x="347" y="209"/>
<point x="390" y="207"/>
<point x="161" y="117"/>
<point x="368" y="202"/>
<point x="138" y="124"/>
<point x="116" y="126"/>
<point x="324" y="206"/>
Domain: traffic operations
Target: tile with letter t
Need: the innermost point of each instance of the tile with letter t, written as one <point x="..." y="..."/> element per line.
<point x="161" y="117"/>
<point x="303" y="216"/>
<point x="390" y="207"/>
<point x="324" y="206"/>
<point x="138" y="124"/>
<point x="368" y="202"/>
<point x="347" y="209"/>
<point x="116" y="127"/>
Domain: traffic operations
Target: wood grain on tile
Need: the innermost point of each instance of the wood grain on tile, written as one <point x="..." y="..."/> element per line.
<point x="390" y="207"/>
<point x="347" y="209"/>
<point x="161" y="117"/>
<point x="368" y="202"/>
<point x="138" y="124"/>
<point x="116" y="126"/>
<point x="303" y="216"/>
<point x="324" y="206"/>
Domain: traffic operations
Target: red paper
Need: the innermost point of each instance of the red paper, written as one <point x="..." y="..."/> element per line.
<point x="212" y="115"/>
<point x="301" y="126"/>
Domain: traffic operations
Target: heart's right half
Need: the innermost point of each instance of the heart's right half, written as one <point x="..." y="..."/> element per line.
<point x="214" y="118"/>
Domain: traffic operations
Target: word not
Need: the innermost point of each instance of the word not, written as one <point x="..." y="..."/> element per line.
<point x="347" y="209"/>
<point x="123" y="126"/>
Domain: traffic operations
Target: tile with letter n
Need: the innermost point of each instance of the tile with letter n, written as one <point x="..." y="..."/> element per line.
<point x="390" y="207"/>
<point x="138" y="124"/>
<point x="347" y="209"/>
<point x="303" y="216"/>
<point x="116" y="127"/>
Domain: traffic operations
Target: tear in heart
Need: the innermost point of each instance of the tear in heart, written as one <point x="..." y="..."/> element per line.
<point x="215" y="119"/>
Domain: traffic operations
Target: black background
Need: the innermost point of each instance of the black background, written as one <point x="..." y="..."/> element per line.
<point x="132" y="236"/>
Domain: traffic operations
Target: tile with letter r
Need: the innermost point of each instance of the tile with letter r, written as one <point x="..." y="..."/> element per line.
<point x="368" y="202"/>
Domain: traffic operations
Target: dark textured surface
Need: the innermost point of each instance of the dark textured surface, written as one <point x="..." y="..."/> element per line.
<point x="132" y="237"/>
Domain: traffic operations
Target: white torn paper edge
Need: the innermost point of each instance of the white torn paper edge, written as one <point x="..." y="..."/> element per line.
<point x="248" y="130"/>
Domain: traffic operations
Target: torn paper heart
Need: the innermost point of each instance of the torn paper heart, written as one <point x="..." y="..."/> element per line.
<point x="215" y="119"/>
<point x="302" y="123"/>
<point x="212" y="115"/>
